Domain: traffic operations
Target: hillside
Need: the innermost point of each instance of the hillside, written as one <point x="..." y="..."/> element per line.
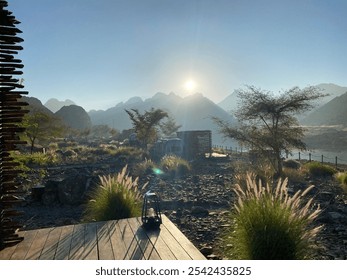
<point x="35" y="105"/>
<point x="229" y="103"/>
<point x="75" y="117"/>
<point x="332" y="113"/>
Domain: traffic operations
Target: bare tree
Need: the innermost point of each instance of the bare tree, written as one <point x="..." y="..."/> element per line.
<point x="268" y="123"/>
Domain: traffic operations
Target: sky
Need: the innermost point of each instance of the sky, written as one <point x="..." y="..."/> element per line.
<point x="102" y="52"/>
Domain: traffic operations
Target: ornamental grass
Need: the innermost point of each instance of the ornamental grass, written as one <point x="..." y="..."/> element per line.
<point x="116" y="197"/>
<point x="269" y="224"/>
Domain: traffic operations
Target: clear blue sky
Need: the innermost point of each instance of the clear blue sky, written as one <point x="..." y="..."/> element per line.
<point x="101" y="52"/>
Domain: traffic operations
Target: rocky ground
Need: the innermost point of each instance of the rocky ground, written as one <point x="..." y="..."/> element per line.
<point x="199" y="205"/>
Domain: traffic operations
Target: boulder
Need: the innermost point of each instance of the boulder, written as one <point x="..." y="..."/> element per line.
<point x="199" y="211"/>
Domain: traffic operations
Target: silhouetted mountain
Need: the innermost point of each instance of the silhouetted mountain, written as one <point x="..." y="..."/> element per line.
<point x="193" y="112"/>
<point x="35" y="105"/>
<point x="55" y="105"/>
<point x="332" y="113"/>
<point x="75" y="117"/>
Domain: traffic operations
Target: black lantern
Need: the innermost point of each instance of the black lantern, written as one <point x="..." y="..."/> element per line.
<point x="151" y="214"/>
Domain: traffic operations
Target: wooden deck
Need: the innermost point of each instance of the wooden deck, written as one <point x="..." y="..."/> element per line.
<point x="111" y="240"/>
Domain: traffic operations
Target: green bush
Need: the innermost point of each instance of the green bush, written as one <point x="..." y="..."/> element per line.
<point x="269" y="224"/>
<point x="116" y="197"/>
<point x="39" y="159"/>
<point x="144" y="168"/>
<point x="293" y="175"/>
<point x="318" y="169"/>
<point x="342" y="178"/>
<point x="174" y="165"/>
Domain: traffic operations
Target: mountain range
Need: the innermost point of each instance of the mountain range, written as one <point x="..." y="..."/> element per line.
<point x="72" y="116"/>
<point x="193" y="112"/>
<point x="230" y="103"/>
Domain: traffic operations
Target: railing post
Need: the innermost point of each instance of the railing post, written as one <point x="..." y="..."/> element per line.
<point x="309" y="157"/>
<point x="299" y="155"/>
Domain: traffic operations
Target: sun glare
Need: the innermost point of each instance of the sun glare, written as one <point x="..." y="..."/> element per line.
<point x="190" y="85"/>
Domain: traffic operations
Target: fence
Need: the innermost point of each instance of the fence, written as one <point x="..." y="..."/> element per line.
<point x="299" y="155"/>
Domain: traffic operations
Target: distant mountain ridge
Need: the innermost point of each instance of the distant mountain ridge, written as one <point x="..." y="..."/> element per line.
<point x="332" y="113"/>
<point x="193" y="112"/>
<point x="55" y="105"/>
<point x="230" y="103"/>
<point x="72" y="116"/>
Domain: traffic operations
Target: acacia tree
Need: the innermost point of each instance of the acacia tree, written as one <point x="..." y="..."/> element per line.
<point x="40" y="126"/>
<point x="268" y="123"/>
<point x="145" y="125"/>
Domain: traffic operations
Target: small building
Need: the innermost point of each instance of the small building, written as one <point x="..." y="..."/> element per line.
<point x="196" y="143"/>
<point x="190" y="145"/>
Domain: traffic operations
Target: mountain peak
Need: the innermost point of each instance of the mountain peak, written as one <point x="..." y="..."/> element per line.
<point x="133" y="100"/>
<point x="55" y="105"/>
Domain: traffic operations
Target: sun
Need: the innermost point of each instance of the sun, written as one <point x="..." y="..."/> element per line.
<point x="190" y="85"/>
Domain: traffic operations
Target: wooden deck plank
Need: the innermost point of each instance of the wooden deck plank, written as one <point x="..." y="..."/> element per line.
<point x="122" y="239"/>
<point x="91" y="242"/>
<point x="133" y="252"/>
<point x="104" y="242"/>
<point x="7" y="252"/>
<point x="50" y="247"/>
<point x="149" y="251"/>
<point x="118" y="245"/>
<point x="36" y="247"/>
<point x="172" y="243"/>
<point x="23" y="247"/>
<point x="64" y="244"/>
<point x="77" y="243"/>
<point x="193" y="252"/>
<point x="162" y="249"/>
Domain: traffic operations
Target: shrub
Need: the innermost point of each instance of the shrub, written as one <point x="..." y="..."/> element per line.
<point x="269" y="224"/>
<point x="174" y="165"/>
<point x="318" y="169"/>
<point x="39" y="159"/>
<point x="290" y="163"/>
<point x="144" y="168"/>
<point x="342" y="178"/>
<point x="116" y="197"/>
<point x="294" y="175"/>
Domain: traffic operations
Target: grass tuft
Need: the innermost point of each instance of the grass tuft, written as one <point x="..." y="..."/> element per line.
<point x="174" y="165"/>
<point x="269" y="224"/>
<point x="342" y="179"/>
<point x="116" y="197"/>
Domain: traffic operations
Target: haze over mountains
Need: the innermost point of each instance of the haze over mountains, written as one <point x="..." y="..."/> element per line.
<point x="54" y="104"/>
<point x="193" y="112"/>
<point x="230" y="103"/>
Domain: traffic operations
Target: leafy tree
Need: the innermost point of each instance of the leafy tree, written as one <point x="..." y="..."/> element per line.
<point x="170" y="127"/>
<point x="146" y="124"/>
<point x="268" y="123"/>
<point x="40" y="126"/>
